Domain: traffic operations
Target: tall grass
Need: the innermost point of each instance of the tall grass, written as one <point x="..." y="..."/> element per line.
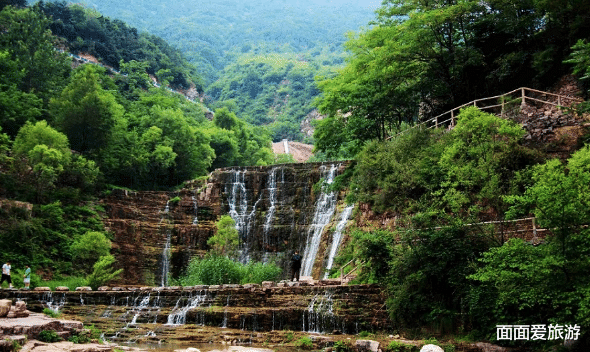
<point x="71" y="282"/>
<point x="217" y="270"/>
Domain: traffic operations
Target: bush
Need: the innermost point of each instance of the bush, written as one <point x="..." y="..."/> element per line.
<point x="304" y="343"/>
<point x="49" y="336"/>
<point x="258" y="272"/>
<point x="71" y="282"/>
<point x="86" y="335"/>
<point x="342" y="346"/>
<point x="51" y="313"/>
<point x="103" y="272"/>
<point x="217" y="270"/>
<point x="397" y="346"/>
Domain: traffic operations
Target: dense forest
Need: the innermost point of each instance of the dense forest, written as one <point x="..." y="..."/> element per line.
<point x="71" y="134"/>
<point x="258" y="59"/>
<point x="68" y="134"/>
<point x="445" y="267"/>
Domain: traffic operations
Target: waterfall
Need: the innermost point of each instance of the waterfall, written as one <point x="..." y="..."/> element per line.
<point x="166" y="251"/>
<point x="336" y="237"/>
<point x="166" y="259"/>
<point x="52" y="303"/>
<point x="272" y="198"/>
<point x="195" y="220"/>
<point x="324" y="210"/>
<point x="238" y="210"/>
<point x="224" y="324"/>
<point x="141" y="305"/>
<point x="178" y="314"/>
<point x="319" y="315"/>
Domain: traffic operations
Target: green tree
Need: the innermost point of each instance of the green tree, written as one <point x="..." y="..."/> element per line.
<point x="85" y="111"/>
<point x="89" y="248"/>
<point x="42" y="70"/>
<point x="42" y="154"/>
<point x="225" y="241"/>
<point x="103" y="272"/>
<point x="16" y="106"/>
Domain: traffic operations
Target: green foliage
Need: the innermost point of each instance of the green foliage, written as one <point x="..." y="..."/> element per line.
<point x="525" y="283"/>
<point x="115" y="43"/>
<point x="70" y="282"/>
<point x="87" y="249"/>
<point x="580" y="58"/>
<point x="86" y="335"/>
<point x="217" y="270"/>
<point x="49" y="336"/>
<point x="85" y="111"/>
<point x="225" y="241"/>
<point x="431" y="265"/>
<point x="255" y="272"/>
<point x="103" y="272"/>
<point x="35" y="71"/>
<point x="284" y="159"/>
<point x="174" y="200"/>
<point x="51" y="313"/>
<point x="304" y="343"/>
<point x="473" y="164"/>
<point x="289" y="336"/>
<point x="397" y="346"/>
<point x="342" y="346"/>
<point x="421" y="59"/>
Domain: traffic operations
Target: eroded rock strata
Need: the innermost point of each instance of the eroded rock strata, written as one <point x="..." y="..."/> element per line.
<point x="274" y="207"/>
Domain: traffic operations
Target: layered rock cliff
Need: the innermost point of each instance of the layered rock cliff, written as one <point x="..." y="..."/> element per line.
<point x="277" y="209"/>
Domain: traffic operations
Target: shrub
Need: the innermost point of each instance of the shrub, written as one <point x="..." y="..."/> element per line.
<point x="71" y="282"/>
<point x="49" y="336"/>
<point x="175" y="200"/>
<point x="103" y="272"/>
<point x="304" y="343"/>
<point x="397" y="346"/>
<point x="51" y="313"/>
<point x="364" y="334"/>
<point x="217" y="270"/>
<point x="258" y="272"/>
<point x="342" y="346"/>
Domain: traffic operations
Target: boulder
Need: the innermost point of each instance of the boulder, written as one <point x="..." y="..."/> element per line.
<point x="431" y="348"/>
<point x="62" y="288"/>
<point x="84" y="288"/>
<point x="5" y="305"/>
<point x="20" y="309"/>
<point x="42" y="288"/>
<point x="366" y="345"/>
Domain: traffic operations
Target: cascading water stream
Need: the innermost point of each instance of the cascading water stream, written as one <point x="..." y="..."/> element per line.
<point x="272" y="198"/>
<point x="238" y="210"/>
<point x="166" y="259"/>
<point x="337" y="237"/>
<point x="166" y="250"/>
<point x="53" y="303"/>
<point x="195" y="220"/>
<point x="319" y="315"/>
<point x="324" y="210"/>
<point x="178" y="314"/>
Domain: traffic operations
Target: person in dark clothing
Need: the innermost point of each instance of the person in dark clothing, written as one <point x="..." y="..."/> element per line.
<point x="295" y="266"/>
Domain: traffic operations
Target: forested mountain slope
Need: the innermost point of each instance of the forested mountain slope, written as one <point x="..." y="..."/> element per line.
<point x="258" y="59"/>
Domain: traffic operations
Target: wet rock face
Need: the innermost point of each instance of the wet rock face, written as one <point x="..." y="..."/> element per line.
<point x="273" y="206"/>
<point x="347" y="309"/>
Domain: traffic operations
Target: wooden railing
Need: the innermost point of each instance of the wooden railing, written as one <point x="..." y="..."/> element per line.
<point x="500" y="105"/>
